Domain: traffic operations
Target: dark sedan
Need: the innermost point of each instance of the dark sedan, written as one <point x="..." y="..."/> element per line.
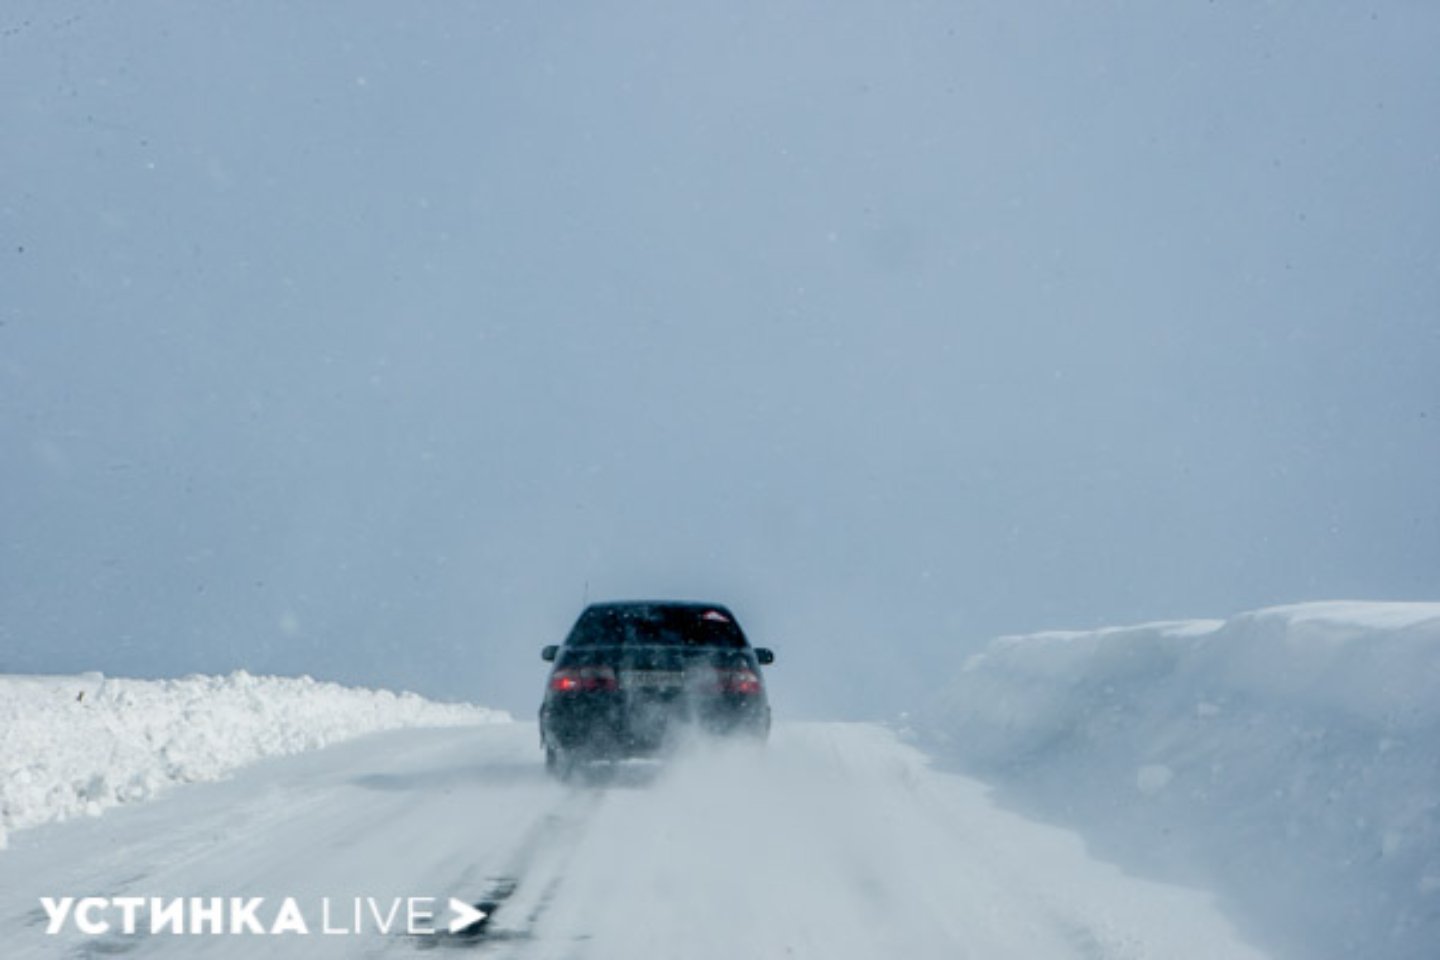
<point x="631" y="675"/>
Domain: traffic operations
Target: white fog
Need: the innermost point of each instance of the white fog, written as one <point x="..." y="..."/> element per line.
<point x="370" y="342"/>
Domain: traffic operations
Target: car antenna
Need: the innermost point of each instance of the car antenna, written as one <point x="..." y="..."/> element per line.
<point x="585" y="597"/>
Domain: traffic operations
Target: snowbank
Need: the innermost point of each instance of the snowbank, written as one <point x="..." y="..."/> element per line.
<point x="1287" y="758"/>
<point x="73" y="745"/>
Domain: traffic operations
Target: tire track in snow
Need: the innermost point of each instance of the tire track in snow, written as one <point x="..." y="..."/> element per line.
<point x="515" y="895"/>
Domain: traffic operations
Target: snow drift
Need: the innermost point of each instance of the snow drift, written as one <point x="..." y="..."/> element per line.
<point x="1287" y="758"/>
<point x="73" y="745"/>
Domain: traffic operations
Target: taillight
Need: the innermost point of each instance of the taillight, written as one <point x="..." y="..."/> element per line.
<point x="739" y="681"/>
<point x="583" y="680"/>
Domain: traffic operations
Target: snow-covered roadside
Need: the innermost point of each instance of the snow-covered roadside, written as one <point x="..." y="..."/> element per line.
<point x="1288" y="758"/>
<point x="76" y="745"/>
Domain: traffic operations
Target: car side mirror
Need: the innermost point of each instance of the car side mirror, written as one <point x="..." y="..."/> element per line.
<point x="764" y="655"/>
<point x="549" y="653"/>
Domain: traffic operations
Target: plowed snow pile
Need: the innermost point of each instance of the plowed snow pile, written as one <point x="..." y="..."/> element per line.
<point x="1288" y="759"/>
<point x="73" y="745"/>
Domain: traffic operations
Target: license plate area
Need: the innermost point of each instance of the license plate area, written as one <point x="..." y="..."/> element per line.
<point x="652" y="680"/>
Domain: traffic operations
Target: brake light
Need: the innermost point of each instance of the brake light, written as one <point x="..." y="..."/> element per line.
<point x="739" y="681"/>
<point x="583" y="680"/>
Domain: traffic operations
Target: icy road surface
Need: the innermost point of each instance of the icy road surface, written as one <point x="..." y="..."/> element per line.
<point x="833" y="842"/>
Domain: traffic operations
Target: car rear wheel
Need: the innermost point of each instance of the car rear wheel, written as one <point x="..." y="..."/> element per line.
<point x="559" y="763"/>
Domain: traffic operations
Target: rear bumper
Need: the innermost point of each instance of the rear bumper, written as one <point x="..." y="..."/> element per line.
<point x="613" y="726"/>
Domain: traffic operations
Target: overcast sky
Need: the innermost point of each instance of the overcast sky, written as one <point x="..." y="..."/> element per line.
<point x="368" y="340"/>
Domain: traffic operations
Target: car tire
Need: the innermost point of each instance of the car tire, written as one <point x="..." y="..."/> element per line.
<point x="558" y="763"/>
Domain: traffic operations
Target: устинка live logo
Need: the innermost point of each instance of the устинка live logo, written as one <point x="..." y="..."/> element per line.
<point x="258" y="916"/>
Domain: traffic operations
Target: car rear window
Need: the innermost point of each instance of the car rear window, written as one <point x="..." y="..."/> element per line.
<point x="656" y="626"/>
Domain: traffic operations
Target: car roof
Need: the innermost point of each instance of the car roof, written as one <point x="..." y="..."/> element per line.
<point x="620" y="606"/>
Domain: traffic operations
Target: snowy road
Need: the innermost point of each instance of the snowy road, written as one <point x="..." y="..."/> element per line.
<point x="834" y="842"/>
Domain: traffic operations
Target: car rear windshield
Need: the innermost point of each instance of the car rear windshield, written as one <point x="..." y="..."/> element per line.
<point x="656" y="626"/>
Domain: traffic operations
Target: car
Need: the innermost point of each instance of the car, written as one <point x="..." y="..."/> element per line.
<point x="632" y="676"/>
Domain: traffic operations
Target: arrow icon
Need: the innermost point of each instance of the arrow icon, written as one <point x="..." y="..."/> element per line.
<point x="466" y="916"/>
